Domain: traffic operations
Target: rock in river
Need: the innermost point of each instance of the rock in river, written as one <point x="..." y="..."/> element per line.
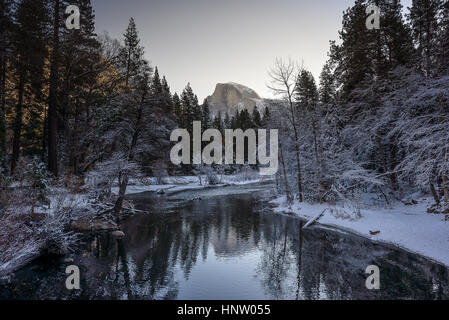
<point x="86" y="224"/>
<point x="118" y="234"/>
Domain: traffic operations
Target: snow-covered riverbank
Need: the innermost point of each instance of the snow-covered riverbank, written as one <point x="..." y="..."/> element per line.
<point x="183" y="183"/>
<point x="409" y="227"/>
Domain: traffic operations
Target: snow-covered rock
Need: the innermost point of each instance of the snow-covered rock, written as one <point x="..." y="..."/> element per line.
<point x="118" y="234"/>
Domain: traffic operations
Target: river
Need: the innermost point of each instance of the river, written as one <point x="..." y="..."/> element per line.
<point x="226" y="244"/>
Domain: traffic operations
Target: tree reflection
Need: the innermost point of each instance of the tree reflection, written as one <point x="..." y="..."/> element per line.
<point x="161" y="250"/>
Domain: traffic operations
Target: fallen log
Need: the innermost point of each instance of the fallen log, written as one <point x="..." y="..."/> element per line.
<point x="314" y="219"/>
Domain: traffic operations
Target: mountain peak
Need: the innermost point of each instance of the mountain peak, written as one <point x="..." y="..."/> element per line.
<point x="232" y="97"/>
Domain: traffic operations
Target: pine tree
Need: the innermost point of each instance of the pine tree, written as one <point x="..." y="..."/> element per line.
<point x="327" y="89"/>
<point x="156" y="85"/>
<point x="196" y="109"/>
<point x="190" y="106"/>
<point x="53" y="92"/>
<point x="82" y="40"/>
<point x="165" y="86"/>
<point x="395" y="35"/>
<point x="391" y="44"/>
<point x="266" y="117"/>
<point x="131" y="55"/>
<point x="30" y="45"/>
<point x="355" y="59"/>
<point x="227" y="122"/>
<point x="158" y="96"/>
<point x="205" y="116"/>
<point x="235" y="120"/>
<point x="167" y="99"/>
<point x="424" y="15"/>
<point x="186" y="107"/>
<point x="217" y="123"/>
<point x="178" y="111"/>
<point x="307" y="97"/>
<point x="256" y="118"/>
<point x="366" y="55"/>
<point x="306" y="91"/>
<point x="245" y="120"/>
<point x="80" y="68"/>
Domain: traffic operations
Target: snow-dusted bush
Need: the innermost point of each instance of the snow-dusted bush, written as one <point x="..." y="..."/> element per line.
<point x="345" y="213"/>
<point x="160" y="171"/>
<point x="30" y="186"/>
<point x="212" y="177"/>
<point x="39" y="179"/>
<point x="4" y="177"/>
<point x="26" y="234"/>
<point x="108" y="174"/>
<point x="35" y="216"/>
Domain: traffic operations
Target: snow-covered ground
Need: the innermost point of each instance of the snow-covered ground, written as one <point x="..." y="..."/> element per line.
<point x="183" y="183"/>
<point x="408" y="227"/>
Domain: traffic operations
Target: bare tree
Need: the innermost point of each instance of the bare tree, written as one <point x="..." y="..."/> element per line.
<point x="283" y="81"/>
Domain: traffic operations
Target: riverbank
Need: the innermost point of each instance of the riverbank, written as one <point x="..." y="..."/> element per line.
<point x="407" y="226"/>
<point x="168" y="185"/>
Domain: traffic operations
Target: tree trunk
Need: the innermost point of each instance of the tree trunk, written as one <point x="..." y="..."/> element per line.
<point x="434" y="193"/>
<point x="393" y="175"/>
<point x="446" y="193"/>
<point x="428" y="50"/>
<point x="287" y="189"/>
<point x="297" y="149"/>
<point x="318" y="164"/>
<point x="298" y="163"/>
<point x="2" y="111"/>
<point x="381" y="154"/>
<point x="121" y="194"/>
<point x="44" y="135"/>
<point x="379" y="50"/>
<point x="445" y="174"/>
<point x="18" y="121"/>
<point x="124" y="182"/>
<point x="75" y="147"/>
<point x="128" y="68"/>
<point x="53" y="100"/>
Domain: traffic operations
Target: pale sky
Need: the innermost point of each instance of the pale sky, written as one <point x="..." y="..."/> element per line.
<point x="206" y="42"/>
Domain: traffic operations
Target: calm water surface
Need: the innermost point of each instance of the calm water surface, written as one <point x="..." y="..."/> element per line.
<point x="220" y="244"/>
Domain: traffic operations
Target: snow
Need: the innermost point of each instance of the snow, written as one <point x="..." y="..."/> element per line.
<point x="23" y="239"/>
<point x="61" y="198"/>
<point x="142" y="188"/>
<point x="184" y="183"/>
<point x="408" y="227"/>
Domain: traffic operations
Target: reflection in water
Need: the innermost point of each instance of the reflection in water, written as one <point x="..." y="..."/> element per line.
<point x="223" y="247"/>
